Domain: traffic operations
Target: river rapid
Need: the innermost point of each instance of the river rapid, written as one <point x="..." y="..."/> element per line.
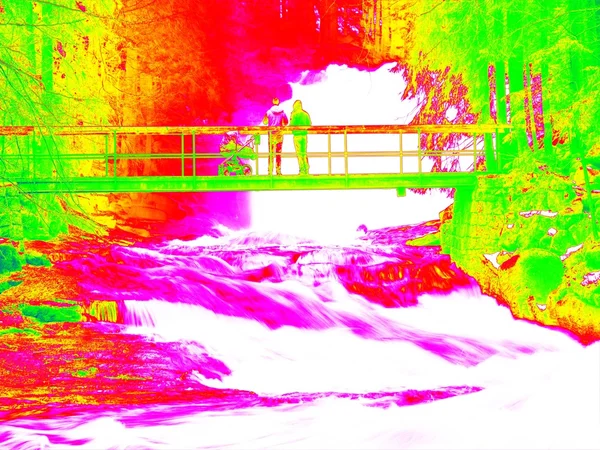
<point x="367" y="344"/>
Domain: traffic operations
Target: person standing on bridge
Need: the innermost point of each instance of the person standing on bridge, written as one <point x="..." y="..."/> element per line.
<point x="275" y="117"/>
<point x="300" y="118"/>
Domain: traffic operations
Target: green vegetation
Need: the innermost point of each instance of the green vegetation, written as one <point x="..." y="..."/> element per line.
<point x="593" y="259"/>
<point x="10" y="260"/>
<point x="49" y="314"/>
<point x="49" y="76"/>
<point x="549" y="55"/>
<point x="539" y="272"/>
<point x="89" y="373"/>
<point x="20" y="331"/>
<point x="37" y="260"/>
<point x="5" y="285"/>
<point x="432" y="239"/>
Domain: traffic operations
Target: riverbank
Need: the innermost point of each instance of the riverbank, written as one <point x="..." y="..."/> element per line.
<point x="526" y="238"/>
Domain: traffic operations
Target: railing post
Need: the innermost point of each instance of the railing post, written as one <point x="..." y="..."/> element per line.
<point x="346" y="153"/>
<point x="419" y="167"/>
<point x="256" y="150"/>
<point x="2" y="146"/>
<point x="401" y="156"/>
<point x="498" y="149"/>
<point x="490" y="157"/>
<point x="193" y="153"/>
<point x="475" y="152"/>
<point x="271" y="157"/>
<point x="271" y="163"/>
<point x="30" y="155"/>
<point x="329" y="153"/>
<point x="106" y="155"/>
<point x="115" y="153"/>
<point x="182" y="154"/>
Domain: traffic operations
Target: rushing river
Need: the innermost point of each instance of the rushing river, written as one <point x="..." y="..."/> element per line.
<point x="279" y="316"/>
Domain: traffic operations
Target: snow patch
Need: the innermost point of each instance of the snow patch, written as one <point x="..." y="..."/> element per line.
<point x="570" y="251"/>
<point x="590" y="278"/>
<point x="493" y="258"/>
<point x="528" y="214"/>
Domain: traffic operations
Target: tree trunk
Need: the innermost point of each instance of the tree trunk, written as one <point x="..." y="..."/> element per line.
<point x="328" y="12"/>
<point x="578" y="65"/>
<point x="301" y="22"/>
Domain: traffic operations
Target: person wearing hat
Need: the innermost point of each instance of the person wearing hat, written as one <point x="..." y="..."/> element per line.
<point x="275" y="117"/>
<point x="300" y="118"/>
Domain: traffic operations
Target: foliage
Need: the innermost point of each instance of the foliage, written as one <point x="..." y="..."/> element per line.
<point x="20" y="331"/>
<point x="10" y="260"/>
<point x="593" y="259"/>
<point x="99" y="62"/>
<point x="534" y="32"/>
<point x="53" y="62"/>
<point x="454" y="58"/>
<point x="48" y="314"/>
<point x="432" y="239"/>
<point x="37" y="260"/>
<point x="539" y="272"/>
<point x="6" y="285"/>
<point x="56" y="68"/>
<point x="83" y="373"/>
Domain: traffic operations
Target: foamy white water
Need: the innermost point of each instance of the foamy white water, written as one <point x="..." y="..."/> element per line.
<point x="275" y="362"/>
<point x="347" y="96"/>
<point x="548" y="399"/>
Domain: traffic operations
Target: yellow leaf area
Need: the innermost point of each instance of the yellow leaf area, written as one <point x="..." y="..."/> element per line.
<point x="63" y="353"/>
<point x="65" y="364"/>
<point x="548" y="258"/>
<point x="75" y="364"/>
<point x="569" y="306"/>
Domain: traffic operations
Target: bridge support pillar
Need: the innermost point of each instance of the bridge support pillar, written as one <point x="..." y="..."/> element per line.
<point x="457" y="234"/>
<point x="401" y="192"/>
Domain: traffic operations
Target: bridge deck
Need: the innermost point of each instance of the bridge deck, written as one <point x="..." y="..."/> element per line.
<point x="251" y="183"/>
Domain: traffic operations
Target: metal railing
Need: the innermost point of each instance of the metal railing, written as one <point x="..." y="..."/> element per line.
<point x="114" y="152"/>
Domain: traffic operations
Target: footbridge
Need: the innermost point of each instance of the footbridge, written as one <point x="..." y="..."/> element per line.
<point x="88" y="159"/>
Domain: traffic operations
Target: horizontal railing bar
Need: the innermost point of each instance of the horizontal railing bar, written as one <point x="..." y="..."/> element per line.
<point x="146" y="156"/>
<point x="212" y="130"/>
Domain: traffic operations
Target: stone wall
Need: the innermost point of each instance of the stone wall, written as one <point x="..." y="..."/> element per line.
<point x="536" y="229"/>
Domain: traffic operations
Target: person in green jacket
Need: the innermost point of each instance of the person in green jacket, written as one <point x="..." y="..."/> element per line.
<point x="300" y="118"/>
